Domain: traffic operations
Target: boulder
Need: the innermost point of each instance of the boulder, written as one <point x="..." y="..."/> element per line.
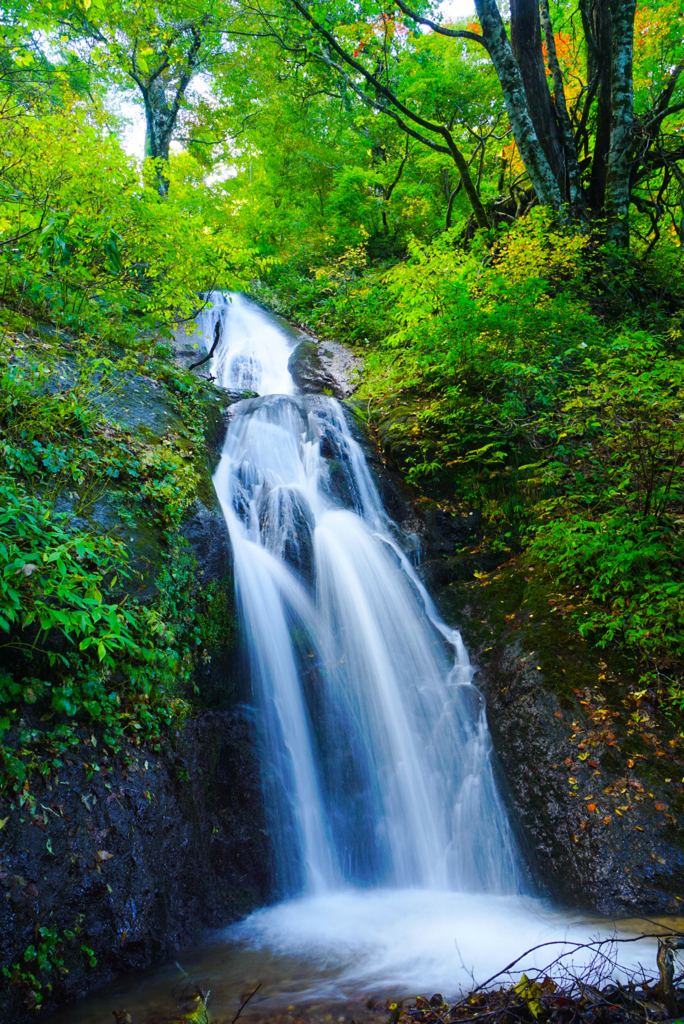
<point x="324" y="367"/>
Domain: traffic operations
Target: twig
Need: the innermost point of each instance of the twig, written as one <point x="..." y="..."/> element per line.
<point x="244" y="1003"/>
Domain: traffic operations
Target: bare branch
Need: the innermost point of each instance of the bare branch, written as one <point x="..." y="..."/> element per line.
<point x="452" y="33"/>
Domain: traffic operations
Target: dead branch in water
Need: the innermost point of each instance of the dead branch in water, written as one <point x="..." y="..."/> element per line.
<point x="599" y="991"/>
<point x="244" y="1003"/>
<point x="205" y="359"/>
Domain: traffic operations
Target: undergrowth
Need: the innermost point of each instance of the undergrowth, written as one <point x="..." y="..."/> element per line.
<point x="545" y="377"/>
<point x="80" y="649"/>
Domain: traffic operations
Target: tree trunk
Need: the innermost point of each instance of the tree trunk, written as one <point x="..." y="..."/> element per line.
<point x="600" y="64"/>
<point x="573" y="183"/>
<point x="622" y="108"/>
<point x="533" y="157"/>
<point x="468" y="185"/>
<point x="159" y="124"/>
<point x="526" y="43"/>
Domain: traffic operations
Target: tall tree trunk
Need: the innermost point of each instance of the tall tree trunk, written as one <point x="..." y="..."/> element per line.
<point x="622" y="108"/>
<point x="533" y="157"/>
<point x="600" y="64"/>
<point x="526" y="43"/>
<point x="159" y="124"/>
<point x="572" y="171"/>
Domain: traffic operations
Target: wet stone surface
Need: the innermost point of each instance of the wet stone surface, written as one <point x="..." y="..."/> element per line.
<point x="591" y="772"/>
<point x="324" y="367"/>
<point x="135" y="858"/>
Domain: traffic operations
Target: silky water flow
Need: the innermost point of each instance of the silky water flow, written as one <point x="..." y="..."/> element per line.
<point x="374" y="745"/>
<point x="395" y="865"/>
<point x="393" y="851"/>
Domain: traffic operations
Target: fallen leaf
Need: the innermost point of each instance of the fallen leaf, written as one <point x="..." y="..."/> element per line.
<point x="591" y="807"/>
<point x="558" y="714"/>
<point x="607" y="820"/>
<point x="660" y="807"/>
<point x="3" y="821"/>
<point x="104" y="855"/>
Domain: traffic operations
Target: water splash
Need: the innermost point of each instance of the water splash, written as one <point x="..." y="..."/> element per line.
<point x="376" y="754"/>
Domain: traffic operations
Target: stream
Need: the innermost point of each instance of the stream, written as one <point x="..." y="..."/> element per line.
<point x="396" y="868"/>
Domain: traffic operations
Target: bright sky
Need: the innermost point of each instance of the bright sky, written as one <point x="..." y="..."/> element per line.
<point x="133" y="139"/>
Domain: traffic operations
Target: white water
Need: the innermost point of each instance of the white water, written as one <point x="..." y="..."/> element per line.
<point x="375" y="744"/>
<point x="392" y="847"/>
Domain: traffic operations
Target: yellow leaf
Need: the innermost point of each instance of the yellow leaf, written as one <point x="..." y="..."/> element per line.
<point x="3" y="821"/>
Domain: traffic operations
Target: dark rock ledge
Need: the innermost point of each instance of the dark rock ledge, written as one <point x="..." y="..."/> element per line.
<point x="590" y="768"/>
<point x="134" y="859"/>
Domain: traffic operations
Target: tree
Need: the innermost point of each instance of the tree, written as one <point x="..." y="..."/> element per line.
<point x="159" y="49"/>
<point x="363" y="47"/>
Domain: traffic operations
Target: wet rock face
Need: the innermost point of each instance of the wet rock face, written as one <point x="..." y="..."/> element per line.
<point x="324" y="367"/>
<point x="132" y="856"/>
<point x="591" y="774"/>
<point x="594" y="805"/>
<point x="135" y="858"/>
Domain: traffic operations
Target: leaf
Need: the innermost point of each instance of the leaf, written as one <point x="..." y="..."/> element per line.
<point x="104" y="855"/>
<point x="3" y="821"/>
<point x="591" y="807"/>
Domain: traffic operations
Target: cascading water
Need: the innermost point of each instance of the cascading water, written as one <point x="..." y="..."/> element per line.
<point x="375" y="746"/>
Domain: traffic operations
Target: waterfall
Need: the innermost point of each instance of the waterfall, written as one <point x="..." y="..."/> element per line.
<point x="375" y="751"/>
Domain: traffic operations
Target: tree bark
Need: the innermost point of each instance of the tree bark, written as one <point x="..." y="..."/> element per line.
<point x="622" y="109"/>
<point x="600" y="63"/>
<point x="572" y="171"/>
<point x="533" y="157"/>
<point x="526" y="43"/>
<point x="160" y="115"/>
<point x="160" y="121"/>
<point x="468" y="185"/>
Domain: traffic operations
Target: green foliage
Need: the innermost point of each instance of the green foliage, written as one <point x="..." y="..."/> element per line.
<point x="629" y="572"/>
<point x="545" y="383"/>
<point x="44" y="962"/>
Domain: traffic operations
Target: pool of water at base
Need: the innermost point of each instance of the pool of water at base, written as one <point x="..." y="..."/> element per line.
<point x="342" y="956"/>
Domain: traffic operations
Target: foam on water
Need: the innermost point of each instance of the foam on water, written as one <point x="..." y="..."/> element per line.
<point x="417" y="941"/>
